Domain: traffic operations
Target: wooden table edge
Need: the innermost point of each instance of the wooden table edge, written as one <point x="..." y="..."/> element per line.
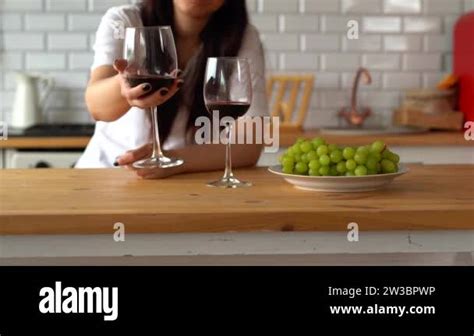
<point x="87" y="224"/>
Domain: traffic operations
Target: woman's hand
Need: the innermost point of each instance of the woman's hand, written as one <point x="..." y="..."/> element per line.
<point x="126" y="160"/>
<point x="137" y="96"/>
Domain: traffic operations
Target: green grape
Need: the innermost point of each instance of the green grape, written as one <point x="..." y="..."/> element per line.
<point x="300" y="140"/>
<point x="296" y="149"/>
<point x="332" y="148"/>
<point x="313" y="172"/>
<point x="324" y="171"/>
<point x="371" y="163"/>
<point x="316" y="142"/>
<point x="348" y="153"/>
<point x="315" y="165"/>
<point x="361" y="157"/>
<point x="360" y="171"/>
<point x="324" y="160"/>
<point x="371" y="172"/>
<point x="317" y="158"/>
<point x="377" y="147"/>
<point x="287" y="170"/>
<point x="341" y="167"/>
<point x="288" y="167"/>
<point x="336" y="156"/>
<point x="322" y="150"/>
<point x="304" y="158"/>
<point x="378" y="168"/>
<point x="301" y="168"/>
<point x="388" y="155"/>
<point x="376" y="156"/>
<point x="363" y="150"/>
<point x="351" y="165"/>
<point x="306" y="147"/>
<point x="394" y="157"/>
<point x="312" y="156"/>
<point x="388" y="167"/>
<point x="288" y="161"/>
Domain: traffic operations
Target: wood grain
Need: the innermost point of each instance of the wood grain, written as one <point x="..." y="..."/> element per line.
<point x="91" y="201"/>
<point x="283" y="92"/>
<point x="45" y="142"/>
<point x="287" y="138"/>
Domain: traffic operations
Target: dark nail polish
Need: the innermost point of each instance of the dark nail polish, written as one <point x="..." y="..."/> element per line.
<point x="116" y="164"/>
<point x="146" y="87"/>
<point x="180" y="85"/>
<point x="164" y="92"/>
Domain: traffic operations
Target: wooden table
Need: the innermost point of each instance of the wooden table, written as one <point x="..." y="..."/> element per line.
<point x="91" y="201"/>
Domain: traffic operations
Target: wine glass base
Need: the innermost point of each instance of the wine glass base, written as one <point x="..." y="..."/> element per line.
<point x="162" y="162"/>
<point x="229" y="183"/>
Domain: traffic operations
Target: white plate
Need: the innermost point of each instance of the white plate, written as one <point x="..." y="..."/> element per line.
<point x="339" y="183"/>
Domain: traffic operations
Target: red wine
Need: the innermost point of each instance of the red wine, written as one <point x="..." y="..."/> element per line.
<point x="229" y="109"/>
<point x="156" y="82"/>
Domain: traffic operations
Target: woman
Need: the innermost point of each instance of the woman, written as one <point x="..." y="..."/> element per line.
<point x="202" y="29"/>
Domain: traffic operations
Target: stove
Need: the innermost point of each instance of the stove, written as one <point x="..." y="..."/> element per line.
<point x="54" y="130"/>
<point x="41" y="158"/>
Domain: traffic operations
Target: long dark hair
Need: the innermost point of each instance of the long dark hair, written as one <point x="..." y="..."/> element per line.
<point x="222" y="37"/>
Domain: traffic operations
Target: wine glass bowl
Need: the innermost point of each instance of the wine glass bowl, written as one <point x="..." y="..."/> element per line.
<point x="151" y="58"/>
<point x="228" y="91"/>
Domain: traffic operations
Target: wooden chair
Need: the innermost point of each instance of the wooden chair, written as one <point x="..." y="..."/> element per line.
<point x="283" y="92"/>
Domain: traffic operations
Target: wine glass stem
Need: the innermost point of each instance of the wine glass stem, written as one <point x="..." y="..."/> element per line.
<point x="157" y="153"/>
<point x="228" y="154"/>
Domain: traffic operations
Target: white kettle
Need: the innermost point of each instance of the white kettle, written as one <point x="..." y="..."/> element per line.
<point x="30" y="97"/>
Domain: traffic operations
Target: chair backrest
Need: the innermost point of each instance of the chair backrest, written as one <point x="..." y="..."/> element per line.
<point x="283" y="92"/>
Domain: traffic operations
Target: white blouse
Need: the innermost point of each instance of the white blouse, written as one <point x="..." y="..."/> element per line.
<point x="112" y="139"/>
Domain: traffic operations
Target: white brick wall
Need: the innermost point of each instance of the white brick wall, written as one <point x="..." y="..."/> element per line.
<point x="406" y="44"/>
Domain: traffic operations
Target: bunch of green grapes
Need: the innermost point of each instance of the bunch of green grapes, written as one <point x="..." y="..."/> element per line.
<point x="317" y="158"/>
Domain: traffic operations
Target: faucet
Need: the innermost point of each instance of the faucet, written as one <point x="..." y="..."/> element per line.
<point x="352" y="115"/>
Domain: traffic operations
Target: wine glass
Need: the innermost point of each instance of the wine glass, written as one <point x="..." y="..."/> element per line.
<point x="228" y="91"/>
<point x="152" y="58"/>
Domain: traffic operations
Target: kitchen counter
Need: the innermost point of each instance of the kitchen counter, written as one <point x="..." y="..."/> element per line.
<point x="286" y="139"/>
<point x="91" y="201"/>
<point x="45" y="142"/>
